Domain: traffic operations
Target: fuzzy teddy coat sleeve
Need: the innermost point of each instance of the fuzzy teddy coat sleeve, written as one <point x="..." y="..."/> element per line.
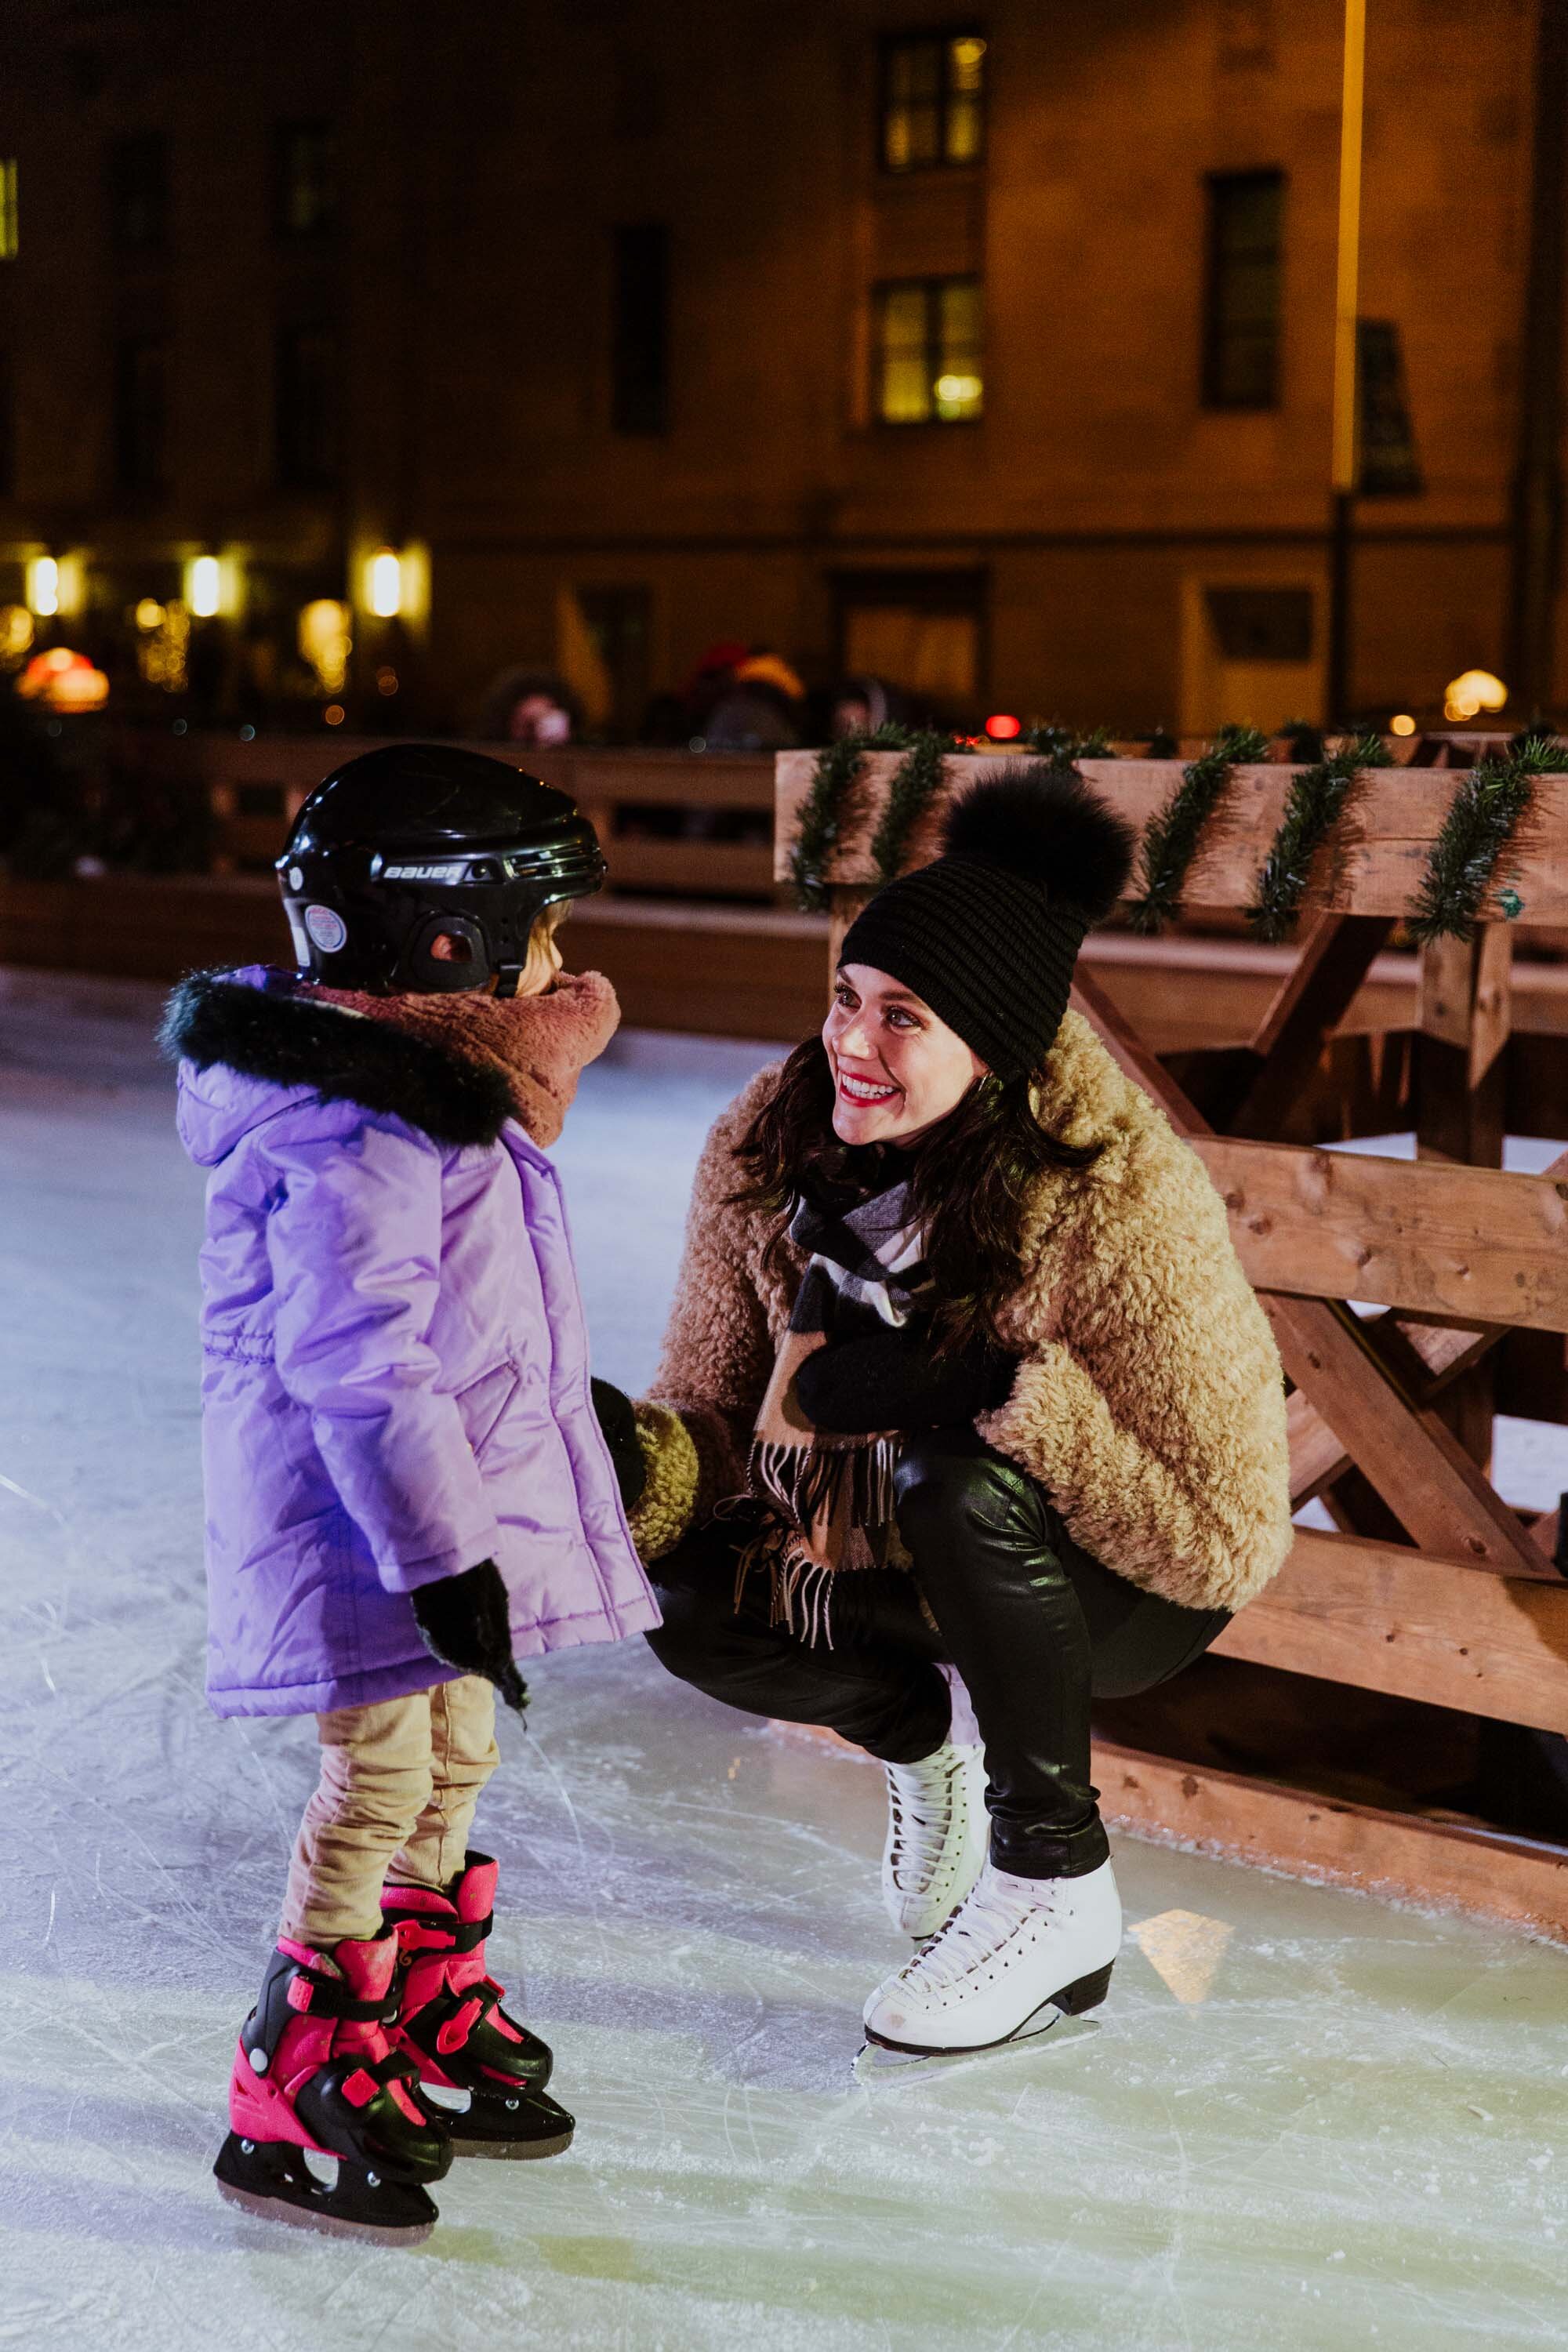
<point x="719" y="1348"/>
<point x="1149" y="1400"/>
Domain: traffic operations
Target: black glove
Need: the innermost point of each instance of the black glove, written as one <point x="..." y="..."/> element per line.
<point x="894" y="1380"/>
<point x="618" y="1423"/>
<point x="467" y="1623"/>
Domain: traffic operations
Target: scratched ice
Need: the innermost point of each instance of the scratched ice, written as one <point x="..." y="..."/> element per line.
<point x="1304" y="2119"/>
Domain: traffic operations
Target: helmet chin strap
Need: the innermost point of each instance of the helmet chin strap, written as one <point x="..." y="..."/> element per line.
<point x="508" y="977"/>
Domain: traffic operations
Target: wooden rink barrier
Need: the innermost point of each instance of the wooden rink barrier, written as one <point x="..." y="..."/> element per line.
<point x="1431" y="1587"/>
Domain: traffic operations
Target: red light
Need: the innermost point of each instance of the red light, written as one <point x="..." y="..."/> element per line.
<point x="1003" y="728"/>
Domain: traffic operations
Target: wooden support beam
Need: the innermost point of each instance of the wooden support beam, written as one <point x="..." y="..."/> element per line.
<point x="1334" y="1844"/>
<point x="1440" y="1496"/>
<point x="1436" y="1491"/>
<point x="1386" y="1619"/>
<point x="1479" y="1244"/>
<point x="1307" y="1007"/>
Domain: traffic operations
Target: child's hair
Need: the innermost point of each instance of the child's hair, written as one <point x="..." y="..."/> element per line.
<point x="541" y="967"/>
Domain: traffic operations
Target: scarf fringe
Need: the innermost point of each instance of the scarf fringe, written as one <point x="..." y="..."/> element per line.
<point x="823" y="1485"/>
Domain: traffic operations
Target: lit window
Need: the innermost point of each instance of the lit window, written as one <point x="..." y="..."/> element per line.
<point x="304" y="179"/>
<point x="1242" y="308"/>
<point x="934" y="92"/>
<point x="138" y="192"/>
<point x="9" y="235"/>
<point x="928" y="368"/>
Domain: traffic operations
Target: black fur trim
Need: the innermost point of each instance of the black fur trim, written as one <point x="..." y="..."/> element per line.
<point x="292" y="1040"/>
<point x="1051" y="826"/>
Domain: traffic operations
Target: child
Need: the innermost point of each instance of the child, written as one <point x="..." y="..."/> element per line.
<point x="407" y="1485"/>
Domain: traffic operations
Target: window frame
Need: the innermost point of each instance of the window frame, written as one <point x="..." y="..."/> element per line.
<point x="942" y="37"/>
<point x="1213" y="339"/>
<point x="930" y="288"/>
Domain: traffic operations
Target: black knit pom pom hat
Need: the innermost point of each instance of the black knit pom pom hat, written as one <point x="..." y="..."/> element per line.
<point x="989" y="934"/>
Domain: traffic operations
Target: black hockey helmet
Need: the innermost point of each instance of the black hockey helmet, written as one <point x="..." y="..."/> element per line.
<point x="425" y="841"/>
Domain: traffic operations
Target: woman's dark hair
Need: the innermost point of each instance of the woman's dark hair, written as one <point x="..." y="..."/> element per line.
<point x="970" y="1179"/>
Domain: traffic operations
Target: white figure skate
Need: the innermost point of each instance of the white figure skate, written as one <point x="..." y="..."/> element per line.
<point x="937" y="1833"/>
<point x="1017" y="1956"/>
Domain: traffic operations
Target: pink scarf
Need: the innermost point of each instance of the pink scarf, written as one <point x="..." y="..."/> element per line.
<point x="539" y="1044"/>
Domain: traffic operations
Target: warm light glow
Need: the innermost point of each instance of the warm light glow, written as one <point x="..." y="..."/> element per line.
<point x="1003" y="728"/>
<point x="387" y="679"/>
<point x="64" y="680"/>
<point x="149" y="614"/>
<point x="1473" y="690"/>
<point x="957" y="391"/>
<point x="383" y="576"/>
<point x="15" y="632"/>
<point x="202" y="587"/>
<point x="325" y="643"/>
<point x="44" y="586"/>
<point x="1402" y="723"/>
<point x="334" y="714"/>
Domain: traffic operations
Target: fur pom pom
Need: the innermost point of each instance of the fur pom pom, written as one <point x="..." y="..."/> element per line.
<point x="1051" y="826"/>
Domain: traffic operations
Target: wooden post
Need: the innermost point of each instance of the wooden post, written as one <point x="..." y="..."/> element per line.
<point x="1464" y="1017"/>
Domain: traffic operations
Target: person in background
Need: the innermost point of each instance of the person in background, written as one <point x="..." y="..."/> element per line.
<point x="761" y="709"/>
<point x="529" y="707"/>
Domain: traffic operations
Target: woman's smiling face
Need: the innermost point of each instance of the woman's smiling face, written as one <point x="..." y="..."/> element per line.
<point x="897" y="1069"/>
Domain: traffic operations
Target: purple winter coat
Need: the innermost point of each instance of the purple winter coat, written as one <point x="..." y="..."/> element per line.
<point x="396" y="1380"/>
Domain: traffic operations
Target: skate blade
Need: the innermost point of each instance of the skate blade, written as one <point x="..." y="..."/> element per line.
<point x="318" y="2218"/>
<point x="517" y="2151"/>
<point x="886" y="2063"/>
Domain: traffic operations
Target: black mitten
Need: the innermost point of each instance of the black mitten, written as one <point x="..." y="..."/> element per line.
<point x="619" y="1426"/>
<point x="465" y="1623"/>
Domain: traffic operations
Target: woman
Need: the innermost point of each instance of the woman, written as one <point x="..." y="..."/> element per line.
<point x="984" y="1418"/>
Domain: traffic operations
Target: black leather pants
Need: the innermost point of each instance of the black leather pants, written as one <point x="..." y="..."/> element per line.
<point x="1034" y="1625"/>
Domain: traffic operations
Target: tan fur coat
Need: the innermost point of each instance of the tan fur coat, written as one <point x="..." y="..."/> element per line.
<point x="1147" y="1401"/>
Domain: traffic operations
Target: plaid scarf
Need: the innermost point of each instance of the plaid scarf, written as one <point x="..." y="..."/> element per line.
<point x="828" y="1498"/>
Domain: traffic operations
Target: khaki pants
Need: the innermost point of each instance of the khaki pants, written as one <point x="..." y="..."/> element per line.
<point x="396" y="1796"/>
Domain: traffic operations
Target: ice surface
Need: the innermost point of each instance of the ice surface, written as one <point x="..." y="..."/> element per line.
<point x="1302" y="2120"/>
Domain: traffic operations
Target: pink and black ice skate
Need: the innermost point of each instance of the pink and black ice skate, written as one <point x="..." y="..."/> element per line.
<point x="315" y="2070"/>
<point x="452" y="2026"/>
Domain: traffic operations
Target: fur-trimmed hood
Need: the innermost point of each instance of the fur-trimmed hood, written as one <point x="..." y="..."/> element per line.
<point x="458" y="1069"/>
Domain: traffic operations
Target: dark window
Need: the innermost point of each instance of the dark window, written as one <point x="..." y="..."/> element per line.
<point x="640" y="333"/>
<point x="306" y="397"/>
<point x="140" y="413"/>
<point x="1273" y="624"/>
<point x="1241" y="309"/>
<point x="138" y="192"/>
<point x="928" y="357"/>
<point x="304" y="179"/>
<point x="934" y="100"/>
<point x="1389" y="466"/>
<point x="7" y="426"/>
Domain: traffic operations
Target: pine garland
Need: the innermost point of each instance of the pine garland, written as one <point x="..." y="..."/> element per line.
<point x="1313" y="807"/>
<point x="1491" y="798"/>
<point x="1170" y="838"/>
<point x="914" y="784"/>
<point x="821" y="821"/>
<point x="1064" y="747"/>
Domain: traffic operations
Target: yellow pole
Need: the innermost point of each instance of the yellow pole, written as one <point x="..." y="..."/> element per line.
<point x="1344" y="446"/>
